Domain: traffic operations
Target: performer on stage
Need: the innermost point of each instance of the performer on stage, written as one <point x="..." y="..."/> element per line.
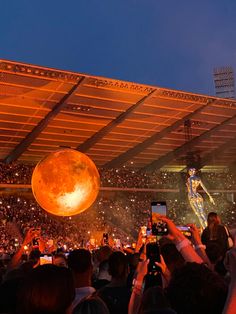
<point x="195" y="199"/>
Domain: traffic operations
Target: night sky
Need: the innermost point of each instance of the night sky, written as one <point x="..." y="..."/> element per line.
<point x="168" y="43"/>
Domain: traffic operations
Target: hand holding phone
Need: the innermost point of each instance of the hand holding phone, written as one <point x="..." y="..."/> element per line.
<point x="186" y="230"/>
<point x="195" y="234"/>
<point x="153" y="254"/>
<point x="36" y="232"/>
<point x="173" y="231"/>
<point x="158" y="226"/>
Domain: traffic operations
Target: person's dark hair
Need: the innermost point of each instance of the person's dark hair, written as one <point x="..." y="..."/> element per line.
<point x="212" y="215"/>
<point x="153" y="299"/>
<point x="103" y="253"/>
<point x="34" y="256"/>
<point x="195" y="289"/>
<point x="79" y="260"/>
<point x="60" y="256"/>
<point x="214" y="252"/>
<point x="213" y="222"/>
<point x="118" y="265"/>
<point x="48" y="289"/>
<point x="91" y="305"/>
<point x="9" y="289"/>
<point x="133" y="260"/>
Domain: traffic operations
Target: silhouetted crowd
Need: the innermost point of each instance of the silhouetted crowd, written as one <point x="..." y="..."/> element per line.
<point x="174" y="274"/>
<point x="101" y="262"/>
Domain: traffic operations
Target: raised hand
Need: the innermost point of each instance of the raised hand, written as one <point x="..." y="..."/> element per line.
<point x="212" y="200"/>
<point x="30" y="235"/>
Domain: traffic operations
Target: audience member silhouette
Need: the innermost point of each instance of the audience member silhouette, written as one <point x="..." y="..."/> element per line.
<point x="47" y="289"/>
<point x="196" y="289"/>
<point x="80" y="262"/>
<point x="91" y="305"/>
<point x="116" y="294"/>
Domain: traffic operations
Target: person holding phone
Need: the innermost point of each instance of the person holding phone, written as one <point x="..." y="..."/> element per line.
<point x="195" y="199"/>
<point x="159" y="228"/>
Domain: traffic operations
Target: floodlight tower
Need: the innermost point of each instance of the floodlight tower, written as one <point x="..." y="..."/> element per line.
<point x="224" y="82"/>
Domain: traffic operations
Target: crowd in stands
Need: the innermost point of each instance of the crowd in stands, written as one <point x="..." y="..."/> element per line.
<point x="126" y="178"/>
<point x="18" y="214"/>
<point x="88" y="273"/>
<point x="119" y="214"/>
<point x="18" y="173"/>
<point x="15" y="173"/>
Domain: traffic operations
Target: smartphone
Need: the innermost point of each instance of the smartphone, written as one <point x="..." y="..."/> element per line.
<point x="159" y="227"/>
<point x="45" y="259"/>
<point x="153" y="254"/>
<point x="105" y="238"/>
<point x="185" y="230"/>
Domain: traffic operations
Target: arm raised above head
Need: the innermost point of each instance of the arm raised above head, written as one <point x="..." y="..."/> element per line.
<point x="182" y="244"/>
<point x="16" y="259"/>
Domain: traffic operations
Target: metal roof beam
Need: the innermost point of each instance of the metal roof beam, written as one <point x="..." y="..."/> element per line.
<point x="208" y="157"/>
<point x="157" y="164"/>
<point x="122" y="158"/>
<point x="28" y="140"/>
<point x="106" y="129"/>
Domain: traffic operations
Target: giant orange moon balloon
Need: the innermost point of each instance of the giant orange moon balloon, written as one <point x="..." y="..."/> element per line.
<point x="65" y="182"/>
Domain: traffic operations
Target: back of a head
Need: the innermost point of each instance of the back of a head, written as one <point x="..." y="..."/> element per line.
<point x="195" y="289"/>
<point x="8" y="293"/>
<point x="79" y="260"/>
<point x="34" y="256"/>
<point x="48" y="289"/>
<point x="212" y="219"/>
<point x="91" y="305"/>
<point x="118" y="265"/>
<point x="154" y="301"/>
<point x="60" y="259"/>
<point x="103" y="253"/>
<point x="133" y="260"/>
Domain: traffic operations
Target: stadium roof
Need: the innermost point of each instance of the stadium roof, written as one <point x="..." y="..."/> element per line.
<point x="115" y="122"/>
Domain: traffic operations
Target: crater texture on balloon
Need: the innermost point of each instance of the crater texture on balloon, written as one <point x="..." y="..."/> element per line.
<point x="65" y="182"/>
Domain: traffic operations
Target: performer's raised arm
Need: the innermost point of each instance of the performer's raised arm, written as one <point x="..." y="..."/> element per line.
<point x="209" y="195"/>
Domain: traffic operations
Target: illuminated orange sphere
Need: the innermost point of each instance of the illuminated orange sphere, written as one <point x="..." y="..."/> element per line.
<point x="65" y="182"/>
